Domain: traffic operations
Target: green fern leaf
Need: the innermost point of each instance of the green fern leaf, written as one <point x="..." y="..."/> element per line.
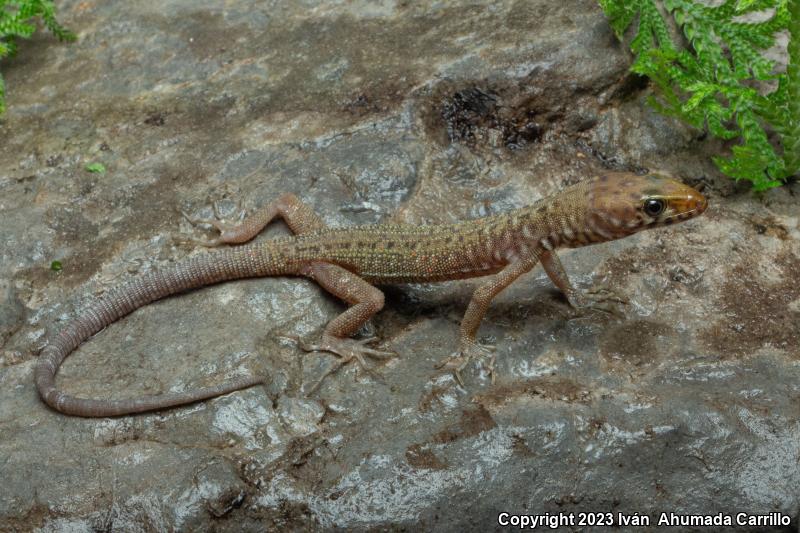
<point x="16" y="29"/>
<point x="754" y="160"/>
<point x="743" y="5"/>
<point x="790" y="95"/>
<point x="709" y="84"/>
<point x="620" y="15"/>
<point x="15" y="22"/>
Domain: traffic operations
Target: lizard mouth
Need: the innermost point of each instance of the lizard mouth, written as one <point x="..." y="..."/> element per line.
<point x="686" y="214"/>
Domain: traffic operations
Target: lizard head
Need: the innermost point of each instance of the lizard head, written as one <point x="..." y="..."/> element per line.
<point x="620" y="204"/>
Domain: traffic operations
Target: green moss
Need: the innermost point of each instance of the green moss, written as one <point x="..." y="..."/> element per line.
<point x="96" y="168"/>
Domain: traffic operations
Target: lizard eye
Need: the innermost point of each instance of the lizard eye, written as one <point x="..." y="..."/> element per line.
<point x="654" y="207"/>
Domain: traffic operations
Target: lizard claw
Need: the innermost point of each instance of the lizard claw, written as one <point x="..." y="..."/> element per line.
<point x="346" y="350"/>
<point x="467" y="351"/>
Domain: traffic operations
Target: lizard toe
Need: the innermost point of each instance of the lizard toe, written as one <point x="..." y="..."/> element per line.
<point x="347" y="350"/>
<point x="467" y="351"/>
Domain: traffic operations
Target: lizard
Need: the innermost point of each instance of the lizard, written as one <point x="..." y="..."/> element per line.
<point x="349" y="261"/>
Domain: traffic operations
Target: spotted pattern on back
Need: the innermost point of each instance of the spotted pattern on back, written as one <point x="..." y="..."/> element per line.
<point x="597" y="210"/>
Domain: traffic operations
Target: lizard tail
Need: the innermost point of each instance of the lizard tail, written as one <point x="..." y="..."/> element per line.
<point x="198" y="271"/>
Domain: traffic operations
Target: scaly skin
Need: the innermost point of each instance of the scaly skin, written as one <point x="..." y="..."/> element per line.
<point x="347" y="261"/>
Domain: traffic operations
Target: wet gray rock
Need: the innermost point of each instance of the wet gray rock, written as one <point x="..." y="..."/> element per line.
<point x="377" y="112"/>
<point x="11" y="310"/>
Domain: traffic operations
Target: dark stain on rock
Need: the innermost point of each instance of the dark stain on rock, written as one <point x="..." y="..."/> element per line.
<point x="520" y="446"/>
<point x="767" y="225"/>
<point x="636" y="343"/>
<point x="430" y="400"/>
<point x="753" y="313"/>
<point x="549" y="388"/>
<point x="512" y="113"/>
<point x="472" y="114"/>
<point x="419" y="456"/>
<point x="156" y="118"/>
<point x="35" y="517"/>
<point x="474" y="420"/>
<point x="465" y="110"/>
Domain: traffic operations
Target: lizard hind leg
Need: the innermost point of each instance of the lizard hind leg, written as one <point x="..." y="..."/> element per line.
<point x="298" y="216"/>
<point x="366" y="300"/>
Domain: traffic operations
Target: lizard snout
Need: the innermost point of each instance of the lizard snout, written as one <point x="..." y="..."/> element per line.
<point x="695" y="202"/>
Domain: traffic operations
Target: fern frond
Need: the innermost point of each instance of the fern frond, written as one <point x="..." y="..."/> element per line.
<point x="755" y="159"/>
<point x="619" y="14"/>
<point x="15" y="22"/>
<point x="16" y="28"/>
<point x="789" y="99"/>
<point x="49" y="17"/>
<point x="750" y="6"/>
<point x="709" y="85"/>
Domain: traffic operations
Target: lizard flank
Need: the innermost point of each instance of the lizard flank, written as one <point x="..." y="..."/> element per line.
<point x="348" y="261"/>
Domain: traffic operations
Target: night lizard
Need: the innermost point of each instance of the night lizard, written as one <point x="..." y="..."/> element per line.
<point x="348" y="261"/>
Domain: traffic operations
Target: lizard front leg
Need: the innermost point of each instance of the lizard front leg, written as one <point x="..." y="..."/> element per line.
<point x="298" y="216"/>
<point x="599" y="299"/>
<point x="366" y="300"/>
<point x="481" y="299"/>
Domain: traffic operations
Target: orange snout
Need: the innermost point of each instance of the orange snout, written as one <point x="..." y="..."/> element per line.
<point x="689" y="200"/>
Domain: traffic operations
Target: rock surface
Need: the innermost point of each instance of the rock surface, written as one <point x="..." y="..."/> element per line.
<point x="378" y="111"/>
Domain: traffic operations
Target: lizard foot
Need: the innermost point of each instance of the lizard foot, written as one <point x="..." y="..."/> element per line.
<point x="467" y="351"/>
<point x="346" y="350"/>
<point x="217" y="223"/>
<point x="599" y="298"/>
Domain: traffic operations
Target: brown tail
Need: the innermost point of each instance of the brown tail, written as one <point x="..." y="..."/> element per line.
<point x="198" y="271"/>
